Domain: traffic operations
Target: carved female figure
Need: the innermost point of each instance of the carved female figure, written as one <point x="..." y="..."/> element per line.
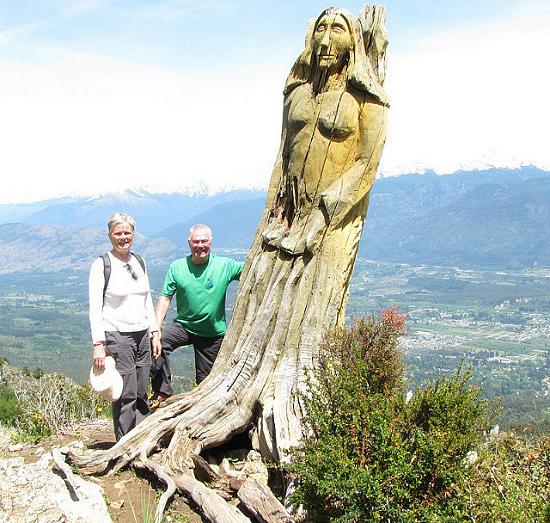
<point x="295" y="282"/>
<point x="333" y="133"/>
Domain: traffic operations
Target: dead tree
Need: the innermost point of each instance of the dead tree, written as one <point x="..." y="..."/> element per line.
<point x="295" y="281"/>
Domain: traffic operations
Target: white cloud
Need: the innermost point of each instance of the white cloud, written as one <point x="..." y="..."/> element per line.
<point x="472" y="98"/>
<point x="83" y="124"/>
<point x="92" y="124"/>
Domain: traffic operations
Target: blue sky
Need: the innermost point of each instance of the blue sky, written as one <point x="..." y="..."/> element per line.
<point x="181" y="34"/>
<point x="99" y="95"/>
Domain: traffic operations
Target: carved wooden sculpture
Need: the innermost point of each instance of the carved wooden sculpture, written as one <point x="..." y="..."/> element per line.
<point x="295" y="282"/>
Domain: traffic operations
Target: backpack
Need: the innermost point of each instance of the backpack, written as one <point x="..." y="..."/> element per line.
<point x="107" y="268"/>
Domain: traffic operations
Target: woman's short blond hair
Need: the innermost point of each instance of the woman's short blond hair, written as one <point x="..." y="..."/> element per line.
<point x="120" y="218"/>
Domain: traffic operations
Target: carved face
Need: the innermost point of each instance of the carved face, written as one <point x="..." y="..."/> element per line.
<point x="331" y="41"/>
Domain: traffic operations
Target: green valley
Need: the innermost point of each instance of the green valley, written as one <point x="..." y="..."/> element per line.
<point x="496" y="321"/>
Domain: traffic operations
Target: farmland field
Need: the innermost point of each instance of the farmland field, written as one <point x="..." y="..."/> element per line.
<point x="496" y="322"/>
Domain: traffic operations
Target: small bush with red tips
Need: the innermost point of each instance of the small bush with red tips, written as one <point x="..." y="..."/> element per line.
<point x="372" y="454"/>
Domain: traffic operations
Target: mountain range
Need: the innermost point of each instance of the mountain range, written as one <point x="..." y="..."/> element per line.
<point x="152" y="212"/>
<point x="493" y="218"/>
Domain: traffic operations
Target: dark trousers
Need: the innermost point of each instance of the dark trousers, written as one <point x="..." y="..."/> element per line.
<point x="174" y="336"/>
<point x="132" y="354"/>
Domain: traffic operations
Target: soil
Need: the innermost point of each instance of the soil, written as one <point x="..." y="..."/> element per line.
<point x="130" y="495"/>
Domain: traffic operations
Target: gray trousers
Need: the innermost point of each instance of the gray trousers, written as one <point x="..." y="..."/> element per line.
<point x="132" y="354"/>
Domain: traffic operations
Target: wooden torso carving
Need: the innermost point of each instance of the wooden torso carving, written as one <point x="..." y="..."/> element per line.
<point x="321" y="142"/>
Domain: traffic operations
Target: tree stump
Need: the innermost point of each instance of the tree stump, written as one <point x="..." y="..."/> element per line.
<point x="294" y="285"/>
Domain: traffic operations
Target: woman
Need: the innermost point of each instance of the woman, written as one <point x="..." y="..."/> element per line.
<point x="122" y="321"/>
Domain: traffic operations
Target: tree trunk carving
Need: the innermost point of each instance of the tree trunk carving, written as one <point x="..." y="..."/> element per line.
<point x="295" y="282"/>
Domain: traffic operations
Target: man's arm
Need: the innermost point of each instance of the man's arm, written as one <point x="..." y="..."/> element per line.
<point x="163" y="304"/>
<point x="236" y="269"/>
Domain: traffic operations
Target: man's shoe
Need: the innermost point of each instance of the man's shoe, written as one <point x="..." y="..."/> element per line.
<point x="156" y="400"/>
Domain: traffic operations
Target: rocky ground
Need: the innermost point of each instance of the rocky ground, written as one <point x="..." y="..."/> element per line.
<point x="30" y="491"/>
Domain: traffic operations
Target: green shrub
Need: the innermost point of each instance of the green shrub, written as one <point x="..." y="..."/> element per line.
<point x="32" y="427"/>
<point x="9" y="407"/>
<point x="37" y="373"/>
<point x="369" y="455"/>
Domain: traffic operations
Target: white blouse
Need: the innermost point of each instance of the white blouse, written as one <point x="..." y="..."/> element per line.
<point x="128" y="305"/>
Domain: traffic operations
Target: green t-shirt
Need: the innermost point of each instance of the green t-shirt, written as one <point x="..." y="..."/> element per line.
<point x="200" y="292"/>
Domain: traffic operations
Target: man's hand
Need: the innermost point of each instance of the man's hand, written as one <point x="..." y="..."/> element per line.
<point x="98" y="355"/>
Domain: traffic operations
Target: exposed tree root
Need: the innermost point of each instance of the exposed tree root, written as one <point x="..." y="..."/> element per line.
<point x="262" y="504"/>
<point x="214" y="507"/>
<point x="160" y="473"/>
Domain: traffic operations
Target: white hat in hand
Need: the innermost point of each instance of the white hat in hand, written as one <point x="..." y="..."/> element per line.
<point x="107" y="381"/>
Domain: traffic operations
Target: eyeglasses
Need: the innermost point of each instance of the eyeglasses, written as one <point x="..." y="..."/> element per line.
<point x="128" y="267"/>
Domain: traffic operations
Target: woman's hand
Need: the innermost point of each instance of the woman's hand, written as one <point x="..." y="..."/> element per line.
<point x="156" y="345"/>
<point x="98" y="355"/>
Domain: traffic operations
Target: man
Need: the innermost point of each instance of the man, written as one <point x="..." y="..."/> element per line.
<point x="200" y="283"/>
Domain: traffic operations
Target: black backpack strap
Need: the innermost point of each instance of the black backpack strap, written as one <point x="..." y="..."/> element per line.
<point x="106" y="272"/>
<point x="107" y="269"/>
<point x="140" y="260"/>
